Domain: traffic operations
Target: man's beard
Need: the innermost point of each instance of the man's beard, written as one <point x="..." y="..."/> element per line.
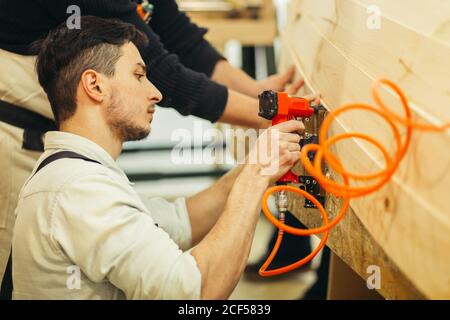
<point x="121" y="125"/>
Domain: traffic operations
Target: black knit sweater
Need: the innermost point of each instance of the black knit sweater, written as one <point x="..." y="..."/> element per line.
<point x="179" y="59"/>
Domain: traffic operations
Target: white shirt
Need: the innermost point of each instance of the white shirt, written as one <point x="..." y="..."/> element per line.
<point x="82" y="232"/>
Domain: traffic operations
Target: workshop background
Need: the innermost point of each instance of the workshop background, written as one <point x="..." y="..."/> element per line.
<point x="246" y="32"/>
<point x="393" y="243"/>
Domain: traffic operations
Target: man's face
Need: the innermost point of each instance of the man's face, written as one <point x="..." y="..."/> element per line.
<point x="133" y="97"/>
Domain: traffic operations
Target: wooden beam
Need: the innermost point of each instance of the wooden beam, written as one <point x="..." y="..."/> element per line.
<point x="354" y="244"/>
<point x="340" y="57"/>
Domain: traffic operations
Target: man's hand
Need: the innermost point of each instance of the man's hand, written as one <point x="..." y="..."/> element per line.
<point x="277" y="149"/>
<point x="242" y="104"/>
<point x="222" y="254"/>
<point x="282" y="82"/>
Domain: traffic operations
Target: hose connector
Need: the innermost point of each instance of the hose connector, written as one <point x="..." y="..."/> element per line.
<point x="282" y="202"/>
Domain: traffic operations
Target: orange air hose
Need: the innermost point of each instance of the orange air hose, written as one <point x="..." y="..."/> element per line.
<point x="344" y="190"/>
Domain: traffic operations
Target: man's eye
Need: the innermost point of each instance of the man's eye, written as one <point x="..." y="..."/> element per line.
<point x="140" y="76"/>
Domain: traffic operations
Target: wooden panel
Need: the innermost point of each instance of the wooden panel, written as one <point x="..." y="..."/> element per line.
<point x="352" y="242"/>
<point x="430" y="18"/>
<point x="421" y="65"/>
<point x="340" y="57"/>
<point x="345" y="284"/>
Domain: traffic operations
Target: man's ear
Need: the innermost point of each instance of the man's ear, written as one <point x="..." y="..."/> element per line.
<point x="92" y="84"/>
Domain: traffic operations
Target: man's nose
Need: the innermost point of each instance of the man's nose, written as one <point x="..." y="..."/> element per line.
<point x="155" y="94"/>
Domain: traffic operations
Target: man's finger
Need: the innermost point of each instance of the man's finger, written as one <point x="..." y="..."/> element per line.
<point x="296" y="86"/>
<point x="294" y="147"/>
<point x="290" y="137"/>
<point x="289" y="75"/>
<point x="295" y="156"/>
<point x="290" y="126"/>
<point x="313" y="98"/>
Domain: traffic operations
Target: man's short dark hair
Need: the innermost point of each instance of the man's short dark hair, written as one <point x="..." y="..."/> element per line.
<point x="65" y="54"/>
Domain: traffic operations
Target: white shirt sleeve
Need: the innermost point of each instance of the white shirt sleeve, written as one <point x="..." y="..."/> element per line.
<point x="172" y="217"/>
<point x="97" y="225"/>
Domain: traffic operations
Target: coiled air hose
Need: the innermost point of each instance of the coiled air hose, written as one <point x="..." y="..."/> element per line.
<point x="344" y="190"/>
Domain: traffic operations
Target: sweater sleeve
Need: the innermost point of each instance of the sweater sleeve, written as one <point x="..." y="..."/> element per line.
<point x="184" y="38"/>
<point x="189" y="92"/>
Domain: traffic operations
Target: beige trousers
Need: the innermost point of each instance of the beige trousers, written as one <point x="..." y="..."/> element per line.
<point x="19" y="86"/>
<point x="16" y="165"/>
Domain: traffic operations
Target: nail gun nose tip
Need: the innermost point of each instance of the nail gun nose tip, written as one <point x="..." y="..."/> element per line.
<point x="319" y="107"/>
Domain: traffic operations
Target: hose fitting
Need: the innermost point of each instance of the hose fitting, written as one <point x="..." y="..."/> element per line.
<point x="282" y="202"/>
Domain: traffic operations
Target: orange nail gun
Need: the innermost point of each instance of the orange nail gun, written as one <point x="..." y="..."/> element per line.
<point x="280" y="107"/>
